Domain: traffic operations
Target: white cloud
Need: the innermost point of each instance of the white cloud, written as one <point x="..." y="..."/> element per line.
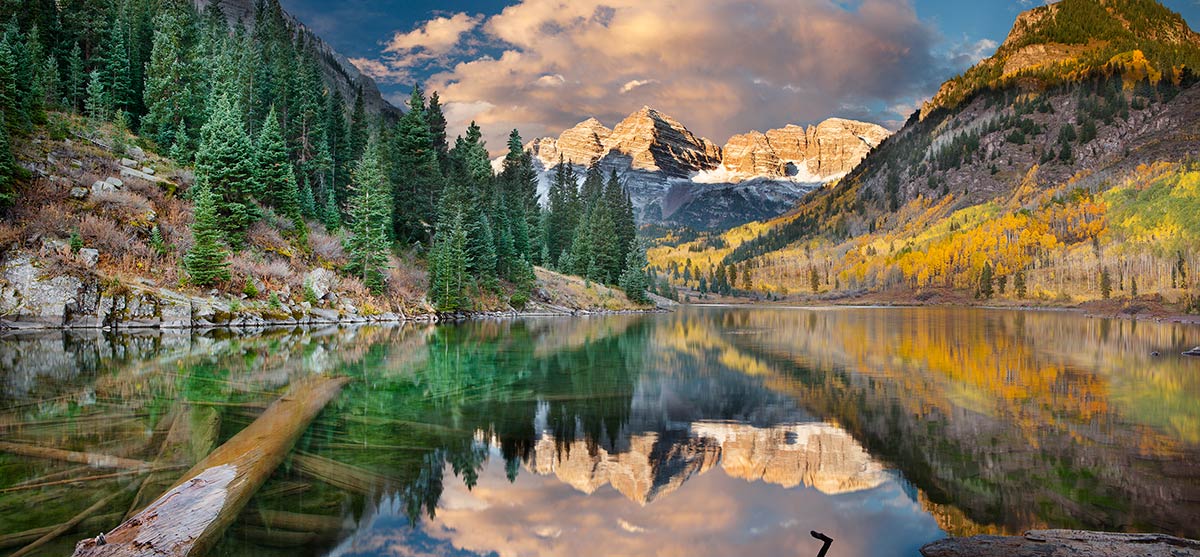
<point x="719" y="66"/>
<point x="635" y="83"/>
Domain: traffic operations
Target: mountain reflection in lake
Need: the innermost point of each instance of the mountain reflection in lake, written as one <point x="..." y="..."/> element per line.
<point x="703" y="432"/>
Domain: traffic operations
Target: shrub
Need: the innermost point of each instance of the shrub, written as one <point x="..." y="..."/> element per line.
<point x="249" y="289"/>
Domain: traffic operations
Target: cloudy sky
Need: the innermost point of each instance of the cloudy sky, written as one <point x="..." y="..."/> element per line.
<point x="719" y="66"/>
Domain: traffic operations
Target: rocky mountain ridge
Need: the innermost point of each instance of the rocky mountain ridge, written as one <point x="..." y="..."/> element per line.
<point x="678" y="177"/>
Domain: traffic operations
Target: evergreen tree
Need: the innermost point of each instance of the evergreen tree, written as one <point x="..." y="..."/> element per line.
<point x="1019" y="283"/>
<point x="358" y="128"/>
<point x="448" y="278"/>
<point x="1105" y="284"/>
<point x="172" y="103"/>
<point x="225" y="165"/>
<point x="97" y="98"/>
<point x="331" y="215"/>
<point x="370" y="214"/>
<point x="116" y="68"/>
<point x="1133" y="291"/>
<point x="205" y="261"/>
<point x="985" y="282"/>
<point x="77" y="77"/>
<point x="11" y="105"/>
<point x="415" y="171"/>
<point x="48" y="83"/>
<point x="274" y="179"/>
<point x="8" y="168"/>
<point x="437" y="130"/>
<point x="633" y="278"/>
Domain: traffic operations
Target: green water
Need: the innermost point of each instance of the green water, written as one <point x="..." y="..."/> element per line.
<point x="709" y="431"/>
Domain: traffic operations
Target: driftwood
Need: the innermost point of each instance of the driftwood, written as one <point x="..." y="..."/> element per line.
<point x="296" y="522"/>
<point x="75" y="520"/>
<point x="90" y="459"/>
<point x="87" y="479"/>
<point x="1063" y="543"/>
<point x="89" y="524"/>
<point x="192" y="434"/>
<point x="191" y="516"/>
<point x="70" y="472"/>
<point x="337" y="474"/>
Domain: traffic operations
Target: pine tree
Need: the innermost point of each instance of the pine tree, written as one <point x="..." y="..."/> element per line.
<point x="97" y="98"/>
<point x="814" y="279"/>
<point x="358" y="128"/>
<point x="1019" y="284"/>
<point x="331" y="215"/>
<point x="274" y="179"/>
<point x="1105" y="284"/>
<point x="633" y="278"/>
<point x="170" y="79"/>
<point x="205" y="261"/>
<point x="437" y="130"/>
<point x="448" y="278"/>
<point x="225" y="164"/>
<point x="415" y="170"/>
<point x="985" y="282"/>
<point x="11" y="105"/>
<point x="8" y="168"/>
<point x="370" y="218"/>
<point x="76" y="77"/>
<point x="1133" y="291"/>
<point x="116" y="68"/>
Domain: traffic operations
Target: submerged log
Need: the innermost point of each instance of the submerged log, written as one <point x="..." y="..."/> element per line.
<point x="340" y="475"/>
<point x="191" y="436"/>
<point x="90" y="459"/>
<point x="296" y="522"/>
<point x="89" y="524"/>
<point x="191" y="516"/>
<point x="75" y="520"/>
<point x="1063" y="543"/>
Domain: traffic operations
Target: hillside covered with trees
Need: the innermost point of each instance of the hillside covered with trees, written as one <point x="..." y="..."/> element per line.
<point x="243" y="171"/>
<point x="1072" y="182"/>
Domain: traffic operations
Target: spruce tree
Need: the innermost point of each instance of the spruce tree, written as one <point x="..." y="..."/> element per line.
<point x="985" y="282"/>
<point x="225" y="164"/>
<point x="1106" y="284"/>
<point x="8" y="168"/>
<point x="633" y="278"/>
<point x="205" y="261"/>
<point x="97" y="98"/>
<point x="358" y="128"/>
<point x="77" y="77"/>
<point x="370" y="218"/>
<point x="11" y="106"/>
<point x="274" y="179"/>
<point x="448" y="280"/>
<point x="437" y="130"/>
<point x="415" y="171"/>
<point x="170" y="80"/>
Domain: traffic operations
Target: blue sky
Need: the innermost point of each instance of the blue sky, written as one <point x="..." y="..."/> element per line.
<point x="719" y="66"/>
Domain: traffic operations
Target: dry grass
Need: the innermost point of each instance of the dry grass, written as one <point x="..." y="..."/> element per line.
<point x="325" y="247"/>
<point x="124" y="206"/>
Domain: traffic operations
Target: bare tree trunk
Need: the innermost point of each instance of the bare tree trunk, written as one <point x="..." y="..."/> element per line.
<point x="191" y="516"/>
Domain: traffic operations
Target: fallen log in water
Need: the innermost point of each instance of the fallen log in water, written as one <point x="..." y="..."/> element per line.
<point x="191" y="436"/>
<point x="296" y="522"/>
<point x="191" y="516"/>
<point x="75" y="520"/>
<point x="337" y="474"/>
<point x="90" y="459"/>
<point x="1063" y="543"/>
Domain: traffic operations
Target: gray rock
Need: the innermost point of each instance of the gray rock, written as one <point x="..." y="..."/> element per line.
<point x="135" y="152"/>
<point x="147" y="170"/>
<point x="102" y="186"/>
<point x="128" y="162"/>
<point x="76" y="163"/>
<point x="31" y="297"/>
<point x="89" y="256"/>
<point x="79" y="192"/>
<point x="322" y="281"/>
<point x="131" y="173"/>
<point x="1063" y="543"/>
<point x="115" y="181"/>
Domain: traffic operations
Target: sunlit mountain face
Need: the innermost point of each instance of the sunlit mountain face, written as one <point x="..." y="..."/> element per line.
<point x="708" y="431"/>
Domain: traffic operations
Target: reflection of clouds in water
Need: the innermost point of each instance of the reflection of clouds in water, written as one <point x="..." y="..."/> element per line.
<point x="715" y="515"/>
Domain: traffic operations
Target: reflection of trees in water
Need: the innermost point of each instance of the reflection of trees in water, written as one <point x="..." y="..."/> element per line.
<point x="1019" y="419"/>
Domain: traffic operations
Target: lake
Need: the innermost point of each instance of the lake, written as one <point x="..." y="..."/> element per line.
<point x="707" y="431"/>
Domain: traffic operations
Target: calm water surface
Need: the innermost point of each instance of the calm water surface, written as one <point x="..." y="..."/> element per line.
<point x="709" y="431"/>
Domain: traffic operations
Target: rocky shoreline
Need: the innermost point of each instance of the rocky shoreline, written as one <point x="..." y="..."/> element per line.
<point x="32" y="300"/>
<point x="1062" y="543"/>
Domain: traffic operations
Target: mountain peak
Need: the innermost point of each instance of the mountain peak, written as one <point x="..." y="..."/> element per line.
<point x="654" y="141"/>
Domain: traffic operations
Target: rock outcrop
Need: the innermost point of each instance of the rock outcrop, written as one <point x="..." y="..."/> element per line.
<point x="656" y="142"/>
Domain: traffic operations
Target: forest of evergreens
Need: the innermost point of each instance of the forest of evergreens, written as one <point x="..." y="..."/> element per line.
<point x="246" y="104"/>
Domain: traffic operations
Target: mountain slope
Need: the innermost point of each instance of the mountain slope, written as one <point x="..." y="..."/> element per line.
<point x="1036" y="174"/>
<point x="677" y="177"/>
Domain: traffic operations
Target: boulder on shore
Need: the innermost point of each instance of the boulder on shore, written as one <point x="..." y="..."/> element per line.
<point x="1193" y="352"/>
<point x="1063" y="543"/>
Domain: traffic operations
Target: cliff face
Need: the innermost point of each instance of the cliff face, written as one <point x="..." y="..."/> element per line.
<point x="817" y="154"/>
<point x="336" y="69"/>
<point x="656" y="142"/>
